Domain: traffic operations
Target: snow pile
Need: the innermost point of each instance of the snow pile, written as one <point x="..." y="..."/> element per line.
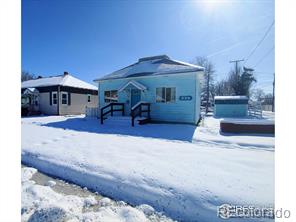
<point x="27" y="173"/>
<point x="41" y="203"/>
<point x="185" y="180"/>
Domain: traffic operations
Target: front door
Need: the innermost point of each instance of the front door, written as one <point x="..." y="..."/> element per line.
<point x="135" y="96"/>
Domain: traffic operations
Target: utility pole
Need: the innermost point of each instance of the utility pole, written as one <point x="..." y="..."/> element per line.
<point x="273" y="92"/>
<point x="236" y="64"/>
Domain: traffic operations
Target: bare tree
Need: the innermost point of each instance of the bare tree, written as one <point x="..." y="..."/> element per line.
<point x="27" y="76"/>
<point x="223" y="88"/>
<point x="208" y="87"/>
<point x="258" y="95"/>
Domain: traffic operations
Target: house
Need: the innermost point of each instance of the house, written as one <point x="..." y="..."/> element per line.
<point x="58" y="95"/>
<point x="231" y="106"/>
<point x="171" y="89"/>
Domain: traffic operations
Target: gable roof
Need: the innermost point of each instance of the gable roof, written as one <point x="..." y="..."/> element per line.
<point x="133" y="83"/>
<point x="61" y="80"/>
<point x="151" y="66"/>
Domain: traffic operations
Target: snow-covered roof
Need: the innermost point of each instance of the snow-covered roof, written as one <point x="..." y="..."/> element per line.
<point x="151" y="66"/>
<point x="61" y="80"/>
<point x="230" y="97"/>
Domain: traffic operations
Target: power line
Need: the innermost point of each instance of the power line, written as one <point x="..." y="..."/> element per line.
<point x="259" y="43"/>
<point x="271" y="50"/>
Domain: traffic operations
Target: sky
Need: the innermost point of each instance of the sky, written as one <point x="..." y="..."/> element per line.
<point x="92" y="38"/>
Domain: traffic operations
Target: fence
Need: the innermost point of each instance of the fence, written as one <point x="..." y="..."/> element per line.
<point x="92" y="111"/>
<point x="255" y="109"/>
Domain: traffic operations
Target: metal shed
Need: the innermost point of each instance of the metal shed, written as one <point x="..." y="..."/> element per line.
<point x="231" y="106"/>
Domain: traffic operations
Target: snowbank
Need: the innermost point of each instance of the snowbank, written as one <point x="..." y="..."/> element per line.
<point x="185" y="180"/>
<point x="42" y="203"/>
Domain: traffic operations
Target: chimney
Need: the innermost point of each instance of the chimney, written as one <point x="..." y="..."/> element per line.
<point x="66" y="73"/>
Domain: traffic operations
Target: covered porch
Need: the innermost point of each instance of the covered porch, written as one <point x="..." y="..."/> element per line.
<point x="127" y="101"/>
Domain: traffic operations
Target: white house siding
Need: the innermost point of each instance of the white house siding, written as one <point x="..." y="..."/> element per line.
<point x="179" y="111"/>
<point x="44" y="104"/>
<point x="77" y="104"/>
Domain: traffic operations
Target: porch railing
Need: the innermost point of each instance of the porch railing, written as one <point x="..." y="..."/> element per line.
<point x="138" y="110"/>
<point x="112" y="108"/>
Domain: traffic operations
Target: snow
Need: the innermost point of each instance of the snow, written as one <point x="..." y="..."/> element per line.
<point x="42" y="203"/>
<point x="209" y="133"/>
<point x="61" y="80"/>
<point x="183" y="170"/>
<point x="230" y="97"/>
<point x="153" y="66"/>
<point x="50" y="183"/>
<point x="27" y="173"/>
<point x="247" y="121"/>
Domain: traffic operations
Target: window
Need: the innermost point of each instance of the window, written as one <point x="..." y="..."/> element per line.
<point x="64" y="98"/>
<point x="88" y="98"/>
<point x="111" y="96"/>
<point x="54" y="98"/>
<point x="166" y="95"/>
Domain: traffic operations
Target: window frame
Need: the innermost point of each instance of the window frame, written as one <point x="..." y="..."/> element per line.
<point x="54" y="99"/>
<point x="110" y="94"/>
<point x="164" y="95"/>
<point x="62" y="99"/>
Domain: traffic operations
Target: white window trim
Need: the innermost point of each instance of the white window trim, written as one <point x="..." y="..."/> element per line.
<point x="110" y="96"/>
<point x="67" y="99"/>
<point x="165" y="88"/>
<point x="52" y="98"/>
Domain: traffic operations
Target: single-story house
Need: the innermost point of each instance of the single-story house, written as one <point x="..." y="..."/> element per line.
<point x="231" y="106"/>
<point x="172" y="88"/>
<point x="58" y="95"/>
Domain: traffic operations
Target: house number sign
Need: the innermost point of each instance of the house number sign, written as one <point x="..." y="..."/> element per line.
<point x="185" y="98"/>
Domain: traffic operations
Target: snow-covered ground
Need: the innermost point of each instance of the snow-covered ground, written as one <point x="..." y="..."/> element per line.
<point x="47" y="199"/>
<point x="182" y="170"/>
<point x="209" y="133"/>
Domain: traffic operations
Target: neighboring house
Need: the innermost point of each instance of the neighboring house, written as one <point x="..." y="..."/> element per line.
<point x="58" y="95"/>
<point x="231" y="106"/>
<point x="172" y="88"/>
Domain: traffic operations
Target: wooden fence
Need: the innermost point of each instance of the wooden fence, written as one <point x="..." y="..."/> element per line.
<point x="92" y="112"/>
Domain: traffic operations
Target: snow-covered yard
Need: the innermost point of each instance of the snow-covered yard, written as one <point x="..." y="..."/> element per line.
<point x="182" y="170"/>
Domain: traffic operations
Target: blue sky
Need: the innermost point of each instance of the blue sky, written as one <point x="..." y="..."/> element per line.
<point x="92" y="38"/>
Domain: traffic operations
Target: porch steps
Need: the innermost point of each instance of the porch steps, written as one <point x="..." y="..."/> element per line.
<point x="143" y="120"/>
